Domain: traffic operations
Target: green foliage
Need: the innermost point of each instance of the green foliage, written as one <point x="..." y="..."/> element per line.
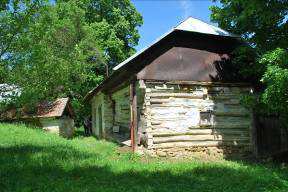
<point x="241" y="67"/>
<point x="116" y="23"/>
<point x="35" y="161"/>
<point x="248" y="100"/>
<point x="276" y="80"/>
<point x="63" y="49"/>
<point x="264" y="25"/>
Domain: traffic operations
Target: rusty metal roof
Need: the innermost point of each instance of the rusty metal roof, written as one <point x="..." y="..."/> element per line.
<point x="189" y="25"/>
<point x="191" y="33"/>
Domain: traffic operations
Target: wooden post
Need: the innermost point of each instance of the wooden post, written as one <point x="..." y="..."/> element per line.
<point x="254" y="135"/>
<point x="133" y="115"/>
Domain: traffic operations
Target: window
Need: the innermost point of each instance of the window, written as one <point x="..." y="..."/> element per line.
<point x="206" y="118"/>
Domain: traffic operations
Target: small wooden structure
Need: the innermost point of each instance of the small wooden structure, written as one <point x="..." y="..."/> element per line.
<point x="170" y="99"/>
<point x="56" y="117"/>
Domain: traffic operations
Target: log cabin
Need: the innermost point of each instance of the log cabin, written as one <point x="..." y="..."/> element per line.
<point x="171" y="99"/>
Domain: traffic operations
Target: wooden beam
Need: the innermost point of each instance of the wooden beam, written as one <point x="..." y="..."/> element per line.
<point x="254" y="135"/>
<point x="200" y="144"/>
<point x="133" y="115"/>
<point x="203" y="83"/>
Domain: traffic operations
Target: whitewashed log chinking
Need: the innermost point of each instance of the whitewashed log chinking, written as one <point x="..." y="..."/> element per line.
<point x="177" y="96"/>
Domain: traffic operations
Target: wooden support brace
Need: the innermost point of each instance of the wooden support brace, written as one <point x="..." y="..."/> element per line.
<point x="133" y="114"/>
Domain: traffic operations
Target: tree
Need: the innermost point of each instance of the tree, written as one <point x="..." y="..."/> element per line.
<point x="264" y="25"/>
<point x="117" y="25"/>
<point x="56" y="50"/>
<point x="276" y="80"/>
<point x="14" y="17"/>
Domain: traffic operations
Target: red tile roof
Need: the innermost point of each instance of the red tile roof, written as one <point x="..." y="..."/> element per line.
<point x="44" y="110"/>
<point x="52" y="109"/>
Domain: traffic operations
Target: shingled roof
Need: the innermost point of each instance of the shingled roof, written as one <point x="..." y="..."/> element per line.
<point x="43" y="110"/>
<point x="54" y="109"/>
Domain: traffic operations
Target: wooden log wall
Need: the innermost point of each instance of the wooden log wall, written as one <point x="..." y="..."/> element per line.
<point x="115" y="111"/>
<point x="101" y="106"/>
<point x="122" y="109"/>
<point x="194" y="115"/>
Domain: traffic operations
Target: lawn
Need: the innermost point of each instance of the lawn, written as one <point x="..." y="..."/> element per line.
<point x="31" y="160"/>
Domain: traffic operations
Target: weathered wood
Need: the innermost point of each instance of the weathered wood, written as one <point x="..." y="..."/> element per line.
<point x="172" y="115"/>
<point x="168" y="101"/>
<point x="122" y="108"/>
<point x="179" y="95"/>
<point x="199" y="144"/>
<point x="103" y="119"/>
<point x="200" y="83"/>
<point x="158" y="101"/>
<point x="254" y="137"/>
<point x="270" y="134"/>
<point x="183" y="138"/>
<point x="232" y="114"/>
<point x="182" y="115"/>
<point x="165" y="125"/>
<point x="119" y="87"/>
<point x="133" y="112"/>
<point x="200" y="131"/>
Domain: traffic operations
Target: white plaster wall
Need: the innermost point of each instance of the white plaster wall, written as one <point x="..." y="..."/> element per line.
<point x="51" y="125"/>
<point x="62" y="126"/>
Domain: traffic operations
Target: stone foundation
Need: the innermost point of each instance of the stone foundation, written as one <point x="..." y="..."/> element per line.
<point x="201" y="152"/>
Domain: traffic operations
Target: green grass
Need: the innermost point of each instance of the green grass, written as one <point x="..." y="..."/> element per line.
<point x="31" y="160"/>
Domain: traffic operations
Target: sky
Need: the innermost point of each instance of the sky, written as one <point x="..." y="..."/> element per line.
<point x="160" y="16"/>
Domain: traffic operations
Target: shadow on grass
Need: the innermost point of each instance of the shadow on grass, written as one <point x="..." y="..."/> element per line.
<point x="34" y="168"/>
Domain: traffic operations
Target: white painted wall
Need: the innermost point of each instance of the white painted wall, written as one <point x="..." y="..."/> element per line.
<point x="63" y="126"/>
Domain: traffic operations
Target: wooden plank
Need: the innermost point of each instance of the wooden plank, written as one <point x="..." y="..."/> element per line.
<point x="159" y="101"/>
<point x="232" y="114"/>
<point x="244" y="126"/>
<point x="254" y="140"/>
<point x="133" y="112"/>
<point x="200" y="131"/>
<point x="199" y="144"/>
<point x="183" y="138"/>
<point x="245" y="85"/>
<point x="178" y="95"/>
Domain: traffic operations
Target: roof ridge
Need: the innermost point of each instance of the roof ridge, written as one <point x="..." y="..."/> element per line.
<point x="182" y="21"/>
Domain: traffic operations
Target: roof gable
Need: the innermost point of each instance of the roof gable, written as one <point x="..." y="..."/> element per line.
<point x="53" y="109"/>
<point x="186" y="34"/>
<point x="189" y="25"/>
<point x="194" y="25"/>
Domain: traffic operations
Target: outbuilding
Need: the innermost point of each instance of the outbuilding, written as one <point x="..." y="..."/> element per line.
<point x="171" y="98"/>
<point x="55" y="117"/>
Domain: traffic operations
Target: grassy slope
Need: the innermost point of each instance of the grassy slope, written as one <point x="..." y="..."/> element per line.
<point x="31" y="160"/>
